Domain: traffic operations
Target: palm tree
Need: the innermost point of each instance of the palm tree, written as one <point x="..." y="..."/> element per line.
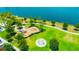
<point x="77" y="27"/>
<point x="65" y="25"/>
<point x="44" y="21"/>
<point x="35" y="20"/>
<point x="53" y="23"/>
<point x="31" y="21"/>
<point x="24" y="20"/>
<point x="42" y="26"/>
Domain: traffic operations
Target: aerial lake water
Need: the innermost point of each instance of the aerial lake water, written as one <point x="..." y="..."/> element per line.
<point x="61" y="14"/>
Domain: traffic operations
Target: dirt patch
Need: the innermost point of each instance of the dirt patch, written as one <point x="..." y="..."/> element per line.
<point x="29" y="31"/>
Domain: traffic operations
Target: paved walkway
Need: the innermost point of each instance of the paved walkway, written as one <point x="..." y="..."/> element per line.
<point x="17" y="49"/>
<point x="60" y="29"/>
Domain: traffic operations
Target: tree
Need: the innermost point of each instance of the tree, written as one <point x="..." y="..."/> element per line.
<point x="35" y="20"/>
<point x="10" y="40"/>
<point x="41" y="27"/>
<point x="24" y="46"/>
<point x="77" y="25"/>
<point x="19" y="23"/>
<point x="31" y="22"/>
<point x="54" y="45"/>
<point x="8" y="36"/>
<point x="25" y="19"/>
<point x="44" y="21"/>
<point x="53" y="23"/>
<point x="10" y="32"/>
<point x="65" y="25"/>
<point x="22" y="43"/>
<point x="8" y="47"/>
<point x="5" y="14"/>
<point x="19" y="37"/>
<point x="10" y="29"/>
<point x="14" y="21"/>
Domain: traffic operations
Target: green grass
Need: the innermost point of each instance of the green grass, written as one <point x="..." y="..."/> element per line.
<point x="3" y="34"/>
<point x="48" y="34"/>
<point x="67" y="42"/>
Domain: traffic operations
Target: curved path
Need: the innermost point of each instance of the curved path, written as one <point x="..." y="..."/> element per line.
<point x="60" y="29"/>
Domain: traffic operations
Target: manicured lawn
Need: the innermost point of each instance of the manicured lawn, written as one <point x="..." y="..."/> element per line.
<point x="67" y="42"/>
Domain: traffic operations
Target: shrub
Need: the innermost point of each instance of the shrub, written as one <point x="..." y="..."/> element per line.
<point x="8" y="47"/>
<point x="24" y="46"/>
<point x="54" y="45"/>
<point x="77" y="25"/>
<point x="10" y="40"/>
<point x="65" y="25"/>
<point x="53" y="23"/>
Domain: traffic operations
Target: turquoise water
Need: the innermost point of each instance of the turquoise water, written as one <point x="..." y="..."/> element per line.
<point x="61" y="14"/>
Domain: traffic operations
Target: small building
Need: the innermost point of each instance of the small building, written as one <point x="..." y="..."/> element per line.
<point x="21" y="29"/>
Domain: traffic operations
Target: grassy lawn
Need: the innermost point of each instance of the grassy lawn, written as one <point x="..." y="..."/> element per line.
<point x="3" y="34"/>
<point x="67" y="42"/>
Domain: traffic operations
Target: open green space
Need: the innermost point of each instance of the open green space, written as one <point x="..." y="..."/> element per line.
<point x="56" y="40"/>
